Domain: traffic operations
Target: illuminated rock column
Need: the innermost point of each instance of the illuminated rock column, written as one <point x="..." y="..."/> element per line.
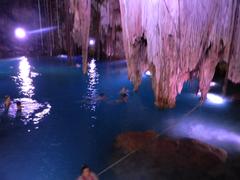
<point x="82" y="18"/>
<point x="177" y="40"/>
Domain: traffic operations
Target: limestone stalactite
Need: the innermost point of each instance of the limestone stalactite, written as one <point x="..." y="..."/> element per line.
<point x="180" y="39"/>
<point x="82" y="18"/>
<point x="110" y="29"/>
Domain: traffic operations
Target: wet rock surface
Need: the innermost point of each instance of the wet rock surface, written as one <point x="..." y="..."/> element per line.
<point x="166" y="158"/>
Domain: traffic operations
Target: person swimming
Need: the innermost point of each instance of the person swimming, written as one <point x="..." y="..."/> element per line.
<point x="7" y="102"/>
<point x="101" y="97"/>
<point x="124" y="92"/>
<point x="123" y="95"/>
<point x="87" y="174"/>
<point x="19" y="106"/>
<point x="96" y="98"/>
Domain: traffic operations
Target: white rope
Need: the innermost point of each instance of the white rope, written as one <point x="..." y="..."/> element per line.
<point x="134" y="151"/>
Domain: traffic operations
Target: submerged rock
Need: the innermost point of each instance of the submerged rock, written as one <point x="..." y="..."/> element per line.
<point x="167" y="158"/>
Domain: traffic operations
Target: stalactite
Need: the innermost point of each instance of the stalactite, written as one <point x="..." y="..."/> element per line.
<point x="51" y="24"/>
<point x="110" y="29"/>
<point x="57" y="19"/>
<point x="234" y="55"/>
<point x="40" y="22"/>
<point x="68" y="31"/>
<point x="182" y="37"/>
<point x="82" y="18"/>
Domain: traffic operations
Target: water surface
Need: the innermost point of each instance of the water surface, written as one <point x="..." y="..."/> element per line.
<point x="63" y="124"/>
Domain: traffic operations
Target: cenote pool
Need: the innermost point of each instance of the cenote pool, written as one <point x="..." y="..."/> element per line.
<point x="63" y="125"/>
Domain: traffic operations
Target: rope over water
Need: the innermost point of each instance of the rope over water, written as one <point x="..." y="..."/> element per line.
<point x="161" y="133"/>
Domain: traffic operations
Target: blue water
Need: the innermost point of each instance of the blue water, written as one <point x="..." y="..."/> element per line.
<point x="63" y="125"/>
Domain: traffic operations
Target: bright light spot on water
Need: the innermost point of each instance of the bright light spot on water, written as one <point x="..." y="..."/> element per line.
<point x="41" y="114"/>
<point x="209" y="133"/>
<point x="24" y="79"/>
<point x="213" y="84"/>
<point x="92" y="89"/>
<point x="32" y="110"/>
<point x="148" y="73"/>
<point x="214" y="98"/>
<point x="92" y="42"/>
<point x="20" y="33"/>
<point x="92" y="66"/>
<point x="62" y="56"/>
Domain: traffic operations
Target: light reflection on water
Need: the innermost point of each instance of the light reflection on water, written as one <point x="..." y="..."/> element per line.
<point x="212" y="133"/>
<point x="24" y="79"/>
<point x="32" y="110"/>
<point x="92" y="93"/>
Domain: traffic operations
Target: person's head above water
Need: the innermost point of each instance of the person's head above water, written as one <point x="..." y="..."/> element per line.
<point x="124" y="92"/>
<point x="7" y="97"/>
<point x="19" y="105"/>
<point x="85" y="170"/>
<point x="7" y="101"/>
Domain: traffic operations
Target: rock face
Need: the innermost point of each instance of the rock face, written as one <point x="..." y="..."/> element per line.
<point x="177" y="40"/>
<point x="9" y="20"/>
<point x="163" y="157"/>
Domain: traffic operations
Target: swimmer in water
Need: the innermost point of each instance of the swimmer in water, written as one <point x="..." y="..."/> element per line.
<point x="87" y="174"/>
<point x="19" y="109"/>
<point x="7" y="102"/>
<point x="19" y="106"/>
<point x="101" y="97"/>
<point x="123" y="95"/>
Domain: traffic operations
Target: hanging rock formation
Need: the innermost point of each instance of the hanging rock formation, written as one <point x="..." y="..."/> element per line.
<point x="179" y="39"/>
<point x="175" y="39"/>
<point x="81" y="27"/>
<point x="110" y="34"/>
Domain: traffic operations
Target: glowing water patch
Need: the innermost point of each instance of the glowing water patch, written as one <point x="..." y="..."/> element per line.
<point x="213" y="84"/>
<point x="32" y="111"/>
<point x="209" y="133"/>
<point x="214" y="98"/>
<point x="148" y="73"/>
<point x="91" y="96"/>
<point x="24" y="79"/>
<point x="62" y="56"/>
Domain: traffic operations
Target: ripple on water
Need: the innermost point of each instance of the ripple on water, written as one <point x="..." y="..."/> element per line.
<point x="32" y="111"/>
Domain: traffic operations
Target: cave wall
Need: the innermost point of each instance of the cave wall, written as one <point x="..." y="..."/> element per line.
<point x="179" y="40"/>
<point x="74" y="22"/>
<point x="12" y="15"/>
